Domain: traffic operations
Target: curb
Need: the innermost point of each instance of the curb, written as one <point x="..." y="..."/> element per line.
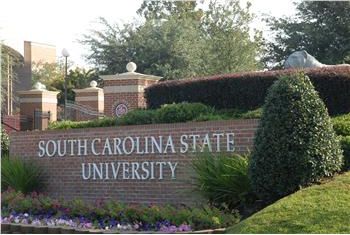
<point x="28" y="229"/>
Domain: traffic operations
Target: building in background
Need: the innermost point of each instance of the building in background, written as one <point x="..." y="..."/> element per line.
<point x="35" y="53"/>
<point x="16" y="74"/>
<point x="17" y="71"/>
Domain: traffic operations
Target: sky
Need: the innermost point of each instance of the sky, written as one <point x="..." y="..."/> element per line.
<point x="63" y="22"/>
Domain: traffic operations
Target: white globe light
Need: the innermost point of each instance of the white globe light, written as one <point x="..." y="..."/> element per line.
<point x="131" y="67"/>
<point x="39" y="86"/>
<point x="65" y="52"/>
<point x="93" y="84"/>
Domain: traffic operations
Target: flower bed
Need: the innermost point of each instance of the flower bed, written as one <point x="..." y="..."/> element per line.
<point x="40" y="210"/>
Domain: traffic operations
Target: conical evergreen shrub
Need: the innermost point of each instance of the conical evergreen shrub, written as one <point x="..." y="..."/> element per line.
<point x="295" y="144"/>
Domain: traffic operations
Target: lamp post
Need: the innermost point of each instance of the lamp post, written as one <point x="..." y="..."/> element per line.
<point x="65" y="53"/>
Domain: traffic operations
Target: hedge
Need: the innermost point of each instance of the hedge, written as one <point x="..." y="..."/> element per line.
<point x="247" y="91"/>
<point x="341" y="124"/>
<point x="345" y="144"/>
<point x="171" y="113"/>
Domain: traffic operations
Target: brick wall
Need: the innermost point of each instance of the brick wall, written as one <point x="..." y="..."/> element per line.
<point x="63" y="175"/>
<point x="11" y="123"/>
<point x="134" y="99"/>
<point x="131" y="99"/>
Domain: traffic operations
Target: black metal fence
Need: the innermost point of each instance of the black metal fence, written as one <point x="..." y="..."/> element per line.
<point x="41" y="119"/>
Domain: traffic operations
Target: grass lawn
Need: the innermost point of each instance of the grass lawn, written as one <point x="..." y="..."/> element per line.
<point x="321" y="208"/>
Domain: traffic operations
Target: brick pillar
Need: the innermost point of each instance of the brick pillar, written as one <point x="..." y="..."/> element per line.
<point x="125" y="92"/>
<point x="92" y="98"/>
<point x="38" y="106"/>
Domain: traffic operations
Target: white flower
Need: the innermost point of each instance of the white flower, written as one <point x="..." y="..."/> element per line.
<point x="36" y="222"/>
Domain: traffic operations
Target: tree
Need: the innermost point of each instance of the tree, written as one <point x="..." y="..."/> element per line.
<point x="160" y="46"/>
<point x="229" y="46"/>
<point x="321" y="28"/>
<point x="52" y="76"/>
<point x="178" y="40"/>
<point x="295" y="144"/>
<point x="11" y="61"/>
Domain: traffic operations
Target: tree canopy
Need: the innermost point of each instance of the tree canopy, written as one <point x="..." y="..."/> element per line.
<point x="10" y="62"/>
<point x="52" y="76"/>
<point x="321" y="28"/>
<point x="178" y="40"/>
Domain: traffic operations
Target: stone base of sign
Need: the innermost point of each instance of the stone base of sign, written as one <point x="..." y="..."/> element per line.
<point x="15" y="228"/>
<point x="54" y="230"/>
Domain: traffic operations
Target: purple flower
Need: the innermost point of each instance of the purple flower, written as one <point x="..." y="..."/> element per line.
<point x="184" y="228"/>
<point x="24" y="221"/>
<point x="168" y="229"/>
<point x="87" y="225"/>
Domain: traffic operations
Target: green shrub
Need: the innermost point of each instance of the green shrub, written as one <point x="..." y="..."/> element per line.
<point x="181" y="112"/>
<point x="208" y="217"/>
<point x="223" y="180"/>
<point x="64" y="125"/>
<point x="182" y="215"/>
<point x="248" y="90"/>
<point x="239" y="114"/>
<point x="172" y="113"/>
<point x="137" y="117"/>
<point x="345" y="144"/>
<point x="210" y="117"/>
<point x="252" y="114"/>
<point x="341" y="125"/>
<point x="295" y="144"/>
<point x="5" y="143"/>
<point x="103" y="122"/>
<point x="20" y="175"/>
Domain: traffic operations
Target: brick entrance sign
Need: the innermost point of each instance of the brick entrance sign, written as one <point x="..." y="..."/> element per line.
<point x="133" y="164"/>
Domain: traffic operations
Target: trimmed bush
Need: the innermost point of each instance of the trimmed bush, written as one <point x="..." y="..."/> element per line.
<point x="345" y="144"/>
<point x="295" y="144"/>
<point x="247" y="91"/>
<point x="103" y="122"/>
<point x="20" y="175"/>
<point x="341" y="125"/>
<point x="182" y="112"/>
<point x="172" y="113"/>
<point x="222" y="179"/>
<point x="137" y="117"/>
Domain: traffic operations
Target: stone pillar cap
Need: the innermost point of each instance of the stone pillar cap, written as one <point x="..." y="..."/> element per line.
<point x="131" y="74"/>
<point x="38" y="88"/>
<point x="93" y="88"/>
